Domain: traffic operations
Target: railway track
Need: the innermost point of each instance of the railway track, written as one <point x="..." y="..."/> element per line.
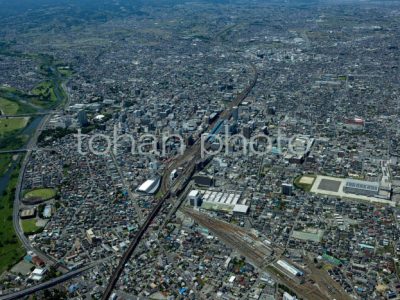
<point x="188" y="159"/>
<point x="238" y="238"/>
<point x="258" y="253"/>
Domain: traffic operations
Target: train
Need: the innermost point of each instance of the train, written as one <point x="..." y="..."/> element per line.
<point x="216" y="129"/>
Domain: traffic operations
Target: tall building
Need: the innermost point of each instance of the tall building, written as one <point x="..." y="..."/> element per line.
<point x="247" y="131"/>
<point x="287" y="189"/>
<point x="235" y="113"/>
<point x="271" y="110"/>
<point x="194" y="198"/>
<point x="82" y="118"/>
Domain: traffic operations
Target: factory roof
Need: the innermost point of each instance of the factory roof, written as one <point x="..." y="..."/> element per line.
<point x="240" y="208"/>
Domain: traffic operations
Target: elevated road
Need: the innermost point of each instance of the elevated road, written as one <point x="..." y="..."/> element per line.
<point x="188" y="160"/>
<point x="128" y="253"/>
<point x="14" y="151"/>
<point x="135" y="242"/>
<point x="48" y="284"/>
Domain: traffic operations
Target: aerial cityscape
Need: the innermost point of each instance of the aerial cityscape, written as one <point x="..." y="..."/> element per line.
<point x="208" y="149"/>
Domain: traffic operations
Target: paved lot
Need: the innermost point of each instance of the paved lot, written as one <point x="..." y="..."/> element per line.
<point x="329" y="185"/>
<point x="22" y="267"/>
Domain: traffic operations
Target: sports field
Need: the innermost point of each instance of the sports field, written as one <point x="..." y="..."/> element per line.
<point x="12" y="124"/>
<point x="44" y="193"/>
<point x="29" y="226"/>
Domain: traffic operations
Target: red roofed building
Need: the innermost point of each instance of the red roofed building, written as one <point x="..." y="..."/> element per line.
<point x="37" y="261"/>
<point x="355" y="123"/>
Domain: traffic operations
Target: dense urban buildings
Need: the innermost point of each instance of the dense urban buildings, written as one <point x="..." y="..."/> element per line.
<point x="199" y="150"/>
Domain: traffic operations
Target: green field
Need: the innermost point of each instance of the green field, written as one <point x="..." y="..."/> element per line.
<point x="11" y="134"/>
<point x="14" y="102"/>
<point x="12" y="124"/>
<point x="45" y="95"/>
<point x="44" y="194"/>
<point x="8" y="107"/>
<point x="13" y="141"/>
<point x="29" y="226"/>
<point x="5" y="160"/>
<point x="11" y="250"/>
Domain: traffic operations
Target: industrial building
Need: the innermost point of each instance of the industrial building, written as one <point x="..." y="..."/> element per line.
<point x="360" y="187"/>
<point x="240" y="209"/>
<point x="354" y="124"/>
<point x="229" y="201"/>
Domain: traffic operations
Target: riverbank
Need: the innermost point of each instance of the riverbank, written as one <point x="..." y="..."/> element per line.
<point x="47" y="96"/>
<point x="11" y="249"/>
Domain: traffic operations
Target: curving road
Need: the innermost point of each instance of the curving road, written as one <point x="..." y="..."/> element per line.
<point x="18" y="189"/>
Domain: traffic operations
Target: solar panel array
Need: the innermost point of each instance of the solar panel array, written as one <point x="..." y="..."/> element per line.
<point x="362" y="185"/>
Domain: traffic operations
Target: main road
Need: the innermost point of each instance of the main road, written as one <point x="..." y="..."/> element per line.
<point x="50" y="283"/>
<point x="18" y="189"/>
<point x="45" y="285"/>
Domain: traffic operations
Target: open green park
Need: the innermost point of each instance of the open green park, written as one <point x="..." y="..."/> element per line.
<point x="8" y="107"/>
<point x="42" y="96"/>
<point x="14" y="102"/>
